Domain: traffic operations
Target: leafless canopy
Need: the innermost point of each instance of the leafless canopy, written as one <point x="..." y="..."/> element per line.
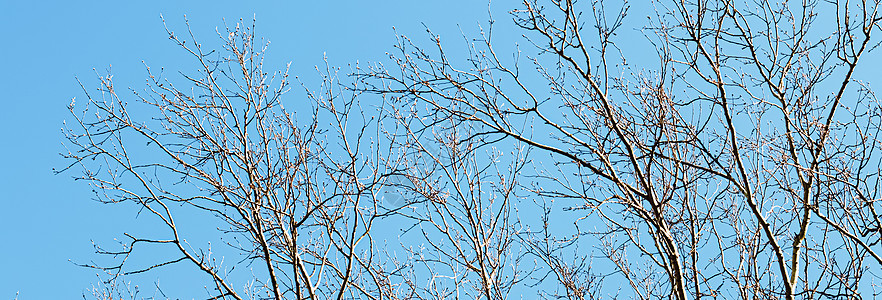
<point x="690" y="149"/>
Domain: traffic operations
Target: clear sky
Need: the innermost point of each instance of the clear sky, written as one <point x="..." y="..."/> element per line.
<point x="47" y="220"/>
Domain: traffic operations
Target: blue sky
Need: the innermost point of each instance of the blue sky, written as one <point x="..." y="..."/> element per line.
<point x="47" y="219"/>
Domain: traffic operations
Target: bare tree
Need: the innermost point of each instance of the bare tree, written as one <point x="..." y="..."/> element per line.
<point x="740" y="160"/>
<point x="292" y="195"/>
